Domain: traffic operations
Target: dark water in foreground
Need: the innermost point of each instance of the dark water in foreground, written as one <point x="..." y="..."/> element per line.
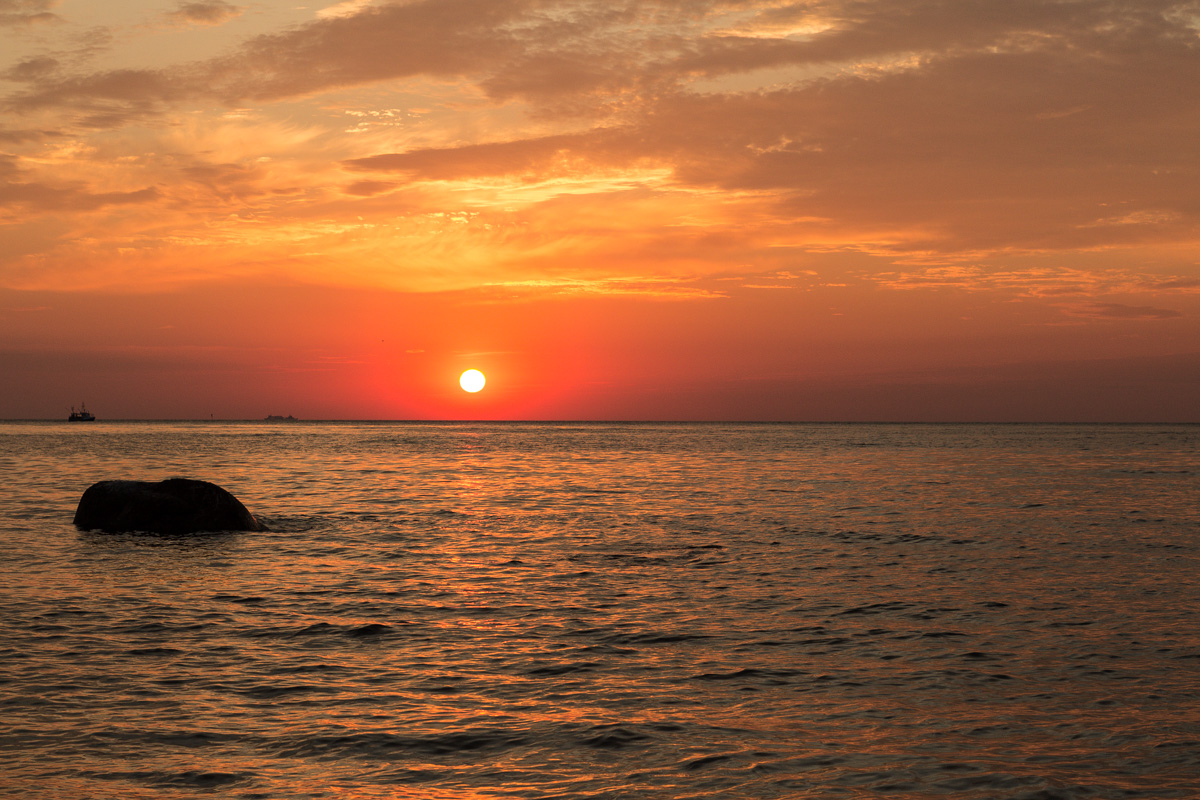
<point x="616" y="611"/>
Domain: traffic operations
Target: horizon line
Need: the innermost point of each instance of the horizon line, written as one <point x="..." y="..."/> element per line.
<point x="287" y="422"/>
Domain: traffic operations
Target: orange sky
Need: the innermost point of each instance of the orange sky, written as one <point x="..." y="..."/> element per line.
<point x="854" y="209"/>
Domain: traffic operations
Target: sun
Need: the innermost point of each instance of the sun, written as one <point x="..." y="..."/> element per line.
<point x="472" y="380"/>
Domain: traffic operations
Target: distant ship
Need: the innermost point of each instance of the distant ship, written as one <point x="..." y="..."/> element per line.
<point x="82" y="415"/>
<point x="277" y="418"/>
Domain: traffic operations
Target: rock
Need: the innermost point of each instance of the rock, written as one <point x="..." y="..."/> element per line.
<point x="176" y="505"/>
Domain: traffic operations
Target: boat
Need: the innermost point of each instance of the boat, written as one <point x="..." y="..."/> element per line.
<point x="82" y="415"/>
<point x="278" y="418"/>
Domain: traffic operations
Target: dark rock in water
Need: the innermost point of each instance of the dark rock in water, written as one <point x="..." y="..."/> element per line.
<point x="176" y="505"/>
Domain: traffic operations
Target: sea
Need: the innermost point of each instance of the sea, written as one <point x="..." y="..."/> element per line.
<point x="464" y="611"/>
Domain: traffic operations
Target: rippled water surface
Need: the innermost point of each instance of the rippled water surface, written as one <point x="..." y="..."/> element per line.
<point x="608" y="611"/>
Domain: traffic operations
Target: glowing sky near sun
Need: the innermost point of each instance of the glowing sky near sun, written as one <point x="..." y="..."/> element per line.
<point x="655" y="209"/>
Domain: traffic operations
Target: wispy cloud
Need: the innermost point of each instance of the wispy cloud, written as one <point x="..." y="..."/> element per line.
<point x="1122" y="311"/>
<point x="348" y="8"/>
<point x="204" y="12"/>
<point x="27" y="12"/>
<point x="68" y="198"/>
<point x="1047" y="282"/>
<point x="658" y="288"/>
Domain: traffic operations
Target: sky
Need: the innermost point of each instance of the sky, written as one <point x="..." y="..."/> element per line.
<point x="859" y="210"/>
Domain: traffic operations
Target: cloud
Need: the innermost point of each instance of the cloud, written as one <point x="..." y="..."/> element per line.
<point x="20" y="136"/>
<point x="206" y="12"/>
<point x="57" y="198"/>
<point x="871" y="33"/>
<point x="1185" y="284"/>
<point x="32" y="69"/>
<point x="921" y="133"/>
<point x="1122" y="311"/>
<point x="26" y="12"/>
<point x="104" y="100"/>
<point x="443" y="38"/>
<point x="1046" y="282"/>
<point x="484" y="160"/>
<point x="345" y="9"/>
<point x="369" y="188"/>
<point x="929" y="134"/>
<point x="656" y="288"/>
<point x="230" y="185"/>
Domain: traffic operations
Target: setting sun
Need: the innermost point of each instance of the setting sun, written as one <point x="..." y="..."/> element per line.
<point x="472" y="380"/>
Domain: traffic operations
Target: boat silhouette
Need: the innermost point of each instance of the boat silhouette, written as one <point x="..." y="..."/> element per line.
<point x="82" y="415"/>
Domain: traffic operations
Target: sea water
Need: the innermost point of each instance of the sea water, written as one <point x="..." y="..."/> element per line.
<point x="608" y="611"/>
